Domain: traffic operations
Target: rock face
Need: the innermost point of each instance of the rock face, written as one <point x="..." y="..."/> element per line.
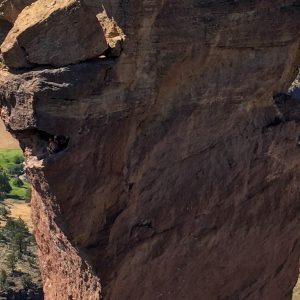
<point x="181" y="177"/>
<point x="53" y="33"/>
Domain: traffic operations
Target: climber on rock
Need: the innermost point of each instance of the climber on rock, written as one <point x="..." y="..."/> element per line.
<point x="57" y="143"/>
<point x="52" y="146"/>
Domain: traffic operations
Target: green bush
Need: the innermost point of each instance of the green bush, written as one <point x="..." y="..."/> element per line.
<point x="18" y="182"/>
<point x="13" y="227"/>
<point x="2" y="237"/>
<point x="19" y="244"/>
<point x="26" y="281"/>
<point x="32" y="262"/>
<point x="28" y="196"/>
<point x="3" y="211"/>
<point x="18" y="235"/>
<point x="11" y="261"/>
<point x="18" y="159"/>
<point x="4" y="182"/>
<point x="16" y="170"/>
<point x="31" y="239"/>
<point x="2" y="196"/>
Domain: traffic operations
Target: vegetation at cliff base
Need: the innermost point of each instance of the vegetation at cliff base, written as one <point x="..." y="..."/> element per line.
<point x="11" y="168"/>
<point x="19" y="273"/>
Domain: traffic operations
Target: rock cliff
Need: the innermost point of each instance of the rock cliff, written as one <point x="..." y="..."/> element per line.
<point x="181" y="175"/>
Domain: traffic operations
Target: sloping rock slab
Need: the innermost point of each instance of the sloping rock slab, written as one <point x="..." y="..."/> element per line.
<point x="54" y="33"/>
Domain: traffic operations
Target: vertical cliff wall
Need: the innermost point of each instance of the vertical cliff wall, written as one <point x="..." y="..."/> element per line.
<point x="181" y="178"/>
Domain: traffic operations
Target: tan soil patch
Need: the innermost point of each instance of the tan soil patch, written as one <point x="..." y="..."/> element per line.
<point x="20" y="209"/>
<point x="6" y="140"/>
<point x="296" y="293"/>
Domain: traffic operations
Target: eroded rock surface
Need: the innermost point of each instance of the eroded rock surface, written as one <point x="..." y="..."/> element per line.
<point x="112" y="31"/>
<point x="177" y="182"/>
<point x="53" y="33"/>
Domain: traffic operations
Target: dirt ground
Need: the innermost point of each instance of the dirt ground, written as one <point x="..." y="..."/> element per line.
<point x="6" y="140"/>
<point x="19" y="208"/>
<point x="296" y="294"/>
<point x="26" y="264"/>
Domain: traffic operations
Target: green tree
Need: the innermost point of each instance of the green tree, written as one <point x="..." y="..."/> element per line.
<point x="14" y="226"/>
<point x="19" y="243"/>
<point x="2" y="237"/>
<point x="11" y="261"/>
<point x="3" y="280"/>
<point x="4" y="183"/>
<point x="18" y="236"/>
<point x="26" y="281"/>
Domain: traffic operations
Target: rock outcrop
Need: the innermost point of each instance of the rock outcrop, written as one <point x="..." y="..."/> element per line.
<point x="180" y="179"/>
<point x="10" y="9"/>
<point x="55" y="33"/>
<point x="113" y="33"/>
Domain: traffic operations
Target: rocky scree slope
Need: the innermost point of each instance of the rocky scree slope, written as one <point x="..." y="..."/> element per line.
<point x="181" y="176"/>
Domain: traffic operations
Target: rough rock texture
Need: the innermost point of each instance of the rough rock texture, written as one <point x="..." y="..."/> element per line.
<point x="113" y="33"/>
<point x="181" y="177"/>
<point x="54" y="33"/>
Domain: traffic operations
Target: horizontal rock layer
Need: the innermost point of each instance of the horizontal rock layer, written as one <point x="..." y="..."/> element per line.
<point x="181" y="177"/>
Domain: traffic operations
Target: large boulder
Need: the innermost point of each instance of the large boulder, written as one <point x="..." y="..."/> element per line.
<point x="10" y="9"/>
<point x="56" y="33"/>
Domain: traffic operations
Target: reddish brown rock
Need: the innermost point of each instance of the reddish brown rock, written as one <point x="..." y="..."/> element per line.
<point x="177" y="183"/>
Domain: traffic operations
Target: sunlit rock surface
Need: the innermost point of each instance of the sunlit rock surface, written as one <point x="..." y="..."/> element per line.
<point x="53" y="33"/>
<point x="181" y="176"/>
